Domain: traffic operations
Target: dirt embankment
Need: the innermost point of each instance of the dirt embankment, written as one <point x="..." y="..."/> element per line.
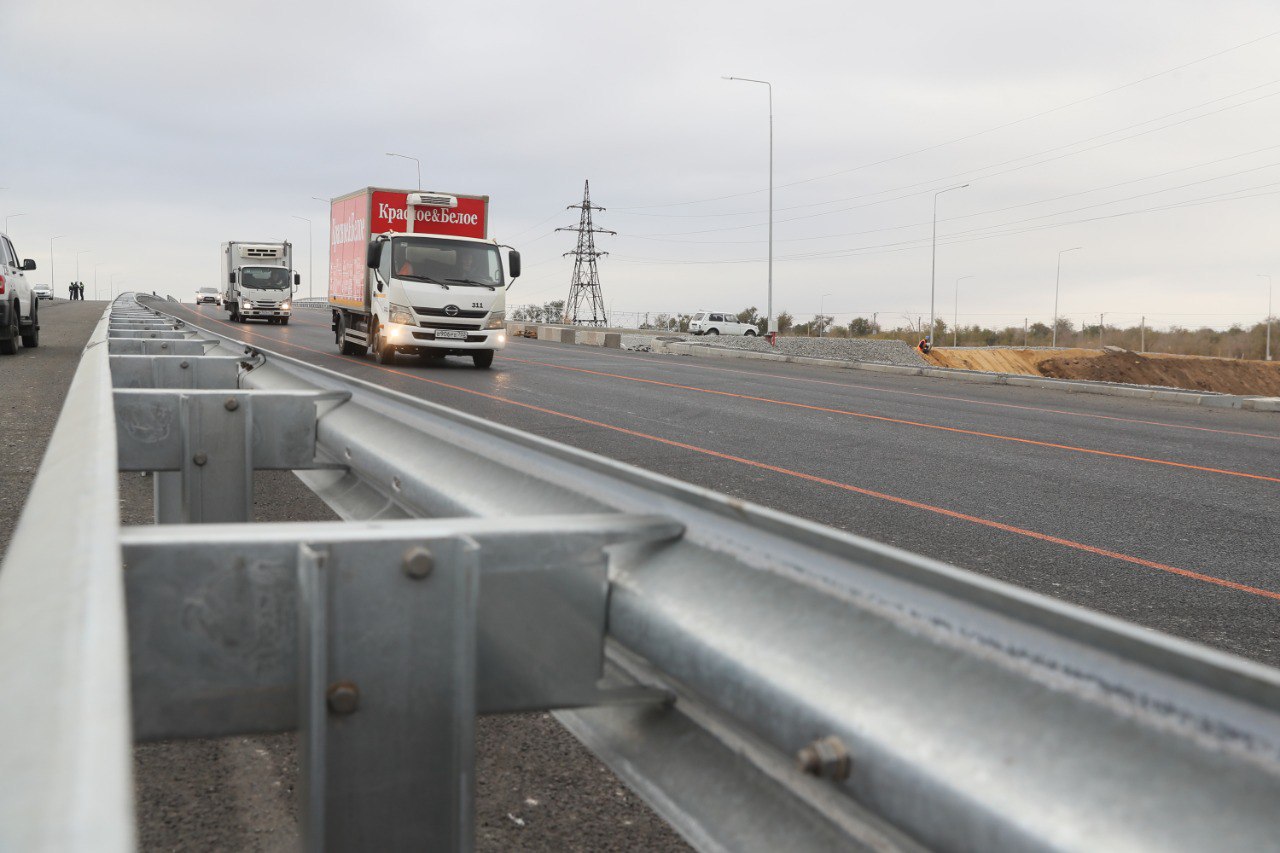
<point x="1194" y="373"/>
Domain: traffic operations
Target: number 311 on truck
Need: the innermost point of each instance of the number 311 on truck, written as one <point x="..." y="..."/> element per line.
<point x="415" y="272"/>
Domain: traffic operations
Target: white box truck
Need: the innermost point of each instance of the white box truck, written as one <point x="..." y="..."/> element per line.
<point x="258" y="281"/>
<point x="415" y="272"/>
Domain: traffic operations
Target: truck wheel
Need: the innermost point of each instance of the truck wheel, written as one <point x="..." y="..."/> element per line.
<point x="284" y="321"/>
<point x="345" y="346"/>
<point x="483" y="359"/>
<point x="383" y="352"/>
<point x="9" y="345"/>
<point x="31" y="335"/>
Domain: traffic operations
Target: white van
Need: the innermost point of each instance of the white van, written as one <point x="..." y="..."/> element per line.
<point x="722" y="323"/>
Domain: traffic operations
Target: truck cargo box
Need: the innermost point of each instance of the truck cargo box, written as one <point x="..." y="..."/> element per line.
<point x="356" y="217"/>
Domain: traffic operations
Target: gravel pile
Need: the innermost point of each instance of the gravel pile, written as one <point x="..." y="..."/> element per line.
<point x="841" y="349"/>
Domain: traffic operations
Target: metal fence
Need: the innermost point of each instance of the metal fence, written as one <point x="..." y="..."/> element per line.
<point x="763" y="682"/>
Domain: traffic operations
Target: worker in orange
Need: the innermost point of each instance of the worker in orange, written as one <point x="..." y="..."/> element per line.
<point x="923" y="346"/>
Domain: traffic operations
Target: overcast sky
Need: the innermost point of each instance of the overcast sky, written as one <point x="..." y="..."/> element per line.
<point x="149" y="132"/>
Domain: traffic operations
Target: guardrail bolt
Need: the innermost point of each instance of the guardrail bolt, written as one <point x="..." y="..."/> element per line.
<point x="232" y="404"/>
<point x="343" y="697"/>
<point x="184" y="365"/>
<point x="826" y="758"/>
<point x="200" y="458"/>
<point x="418" y="563"/>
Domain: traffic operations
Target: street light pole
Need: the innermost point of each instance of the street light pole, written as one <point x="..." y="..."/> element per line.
<point x="95" y="280"/>
<point x="415" y="160"/>
<point x="822" y="301"/>
<point x="772" y="325"/>
<point x="1056" y="280"/>
<point x="933" y="269"/>
<point x="78" y="254"/>
<point x="955" y="320"/>
<point x="51" y="239"/>
<point x="1268" y="278"/>
<point x="330" y="203"/>
<point x="311" y="258"/>
<point x="11" y="216"/>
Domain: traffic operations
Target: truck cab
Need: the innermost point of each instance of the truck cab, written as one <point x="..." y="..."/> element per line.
<point x="439" y="295"/>
<point x="259" y="281"/>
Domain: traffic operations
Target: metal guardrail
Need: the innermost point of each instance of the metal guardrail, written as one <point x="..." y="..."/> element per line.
<point x="768" y="683"/>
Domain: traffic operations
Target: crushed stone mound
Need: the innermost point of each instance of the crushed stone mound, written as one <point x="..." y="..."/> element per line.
<point x="1189" y="372"/>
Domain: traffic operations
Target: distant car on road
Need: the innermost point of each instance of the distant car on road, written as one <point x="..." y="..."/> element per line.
<point x="208" y="294"/>
<point x="42" y="291"/>
<point x="711" y="323"/>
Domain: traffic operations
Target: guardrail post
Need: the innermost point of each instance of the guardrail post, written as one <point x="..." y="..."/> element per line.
<point x="388" y="651"/>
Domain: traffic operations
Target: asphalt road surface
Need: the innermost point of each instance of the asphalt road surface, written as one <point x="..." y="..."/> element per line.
<point x="1163" y="514"/>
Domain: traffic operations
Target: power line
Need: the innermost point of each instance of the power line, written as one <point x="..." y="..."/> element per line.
<point x="659" y="239"/>
<point x="905" y="245"/>
<point x="967" y="137"/>
<point x="972" y="174"/>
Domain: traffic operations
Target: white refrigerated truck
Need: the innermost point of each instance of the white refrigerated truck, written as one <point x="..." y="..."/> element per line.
<point x="415" y="272"/>
<point x="258" y="281"/>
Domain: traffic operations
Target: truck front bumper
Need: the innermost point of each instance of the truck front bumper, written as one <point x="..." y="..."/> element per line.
<point x="418" y="338"/>
<point x="265" y="312"/>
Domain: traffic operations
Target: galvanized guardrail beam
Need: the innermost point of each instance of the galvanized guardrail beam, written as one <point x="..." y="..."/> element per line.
<point x="828" y="691"/>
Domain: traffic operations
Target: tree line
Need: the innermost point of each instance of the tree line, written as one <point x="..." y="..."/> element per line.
<point x="1238" y="341"/>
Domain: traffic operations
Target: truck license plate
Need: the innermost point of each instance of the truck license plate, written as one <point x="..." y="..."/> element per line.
<point x="451" y="334"/>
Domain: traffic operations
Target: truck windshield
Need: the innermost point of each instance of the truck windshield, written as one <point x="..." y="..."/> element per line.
<point x="264" y="278"/>
<point x="446" y="261"/>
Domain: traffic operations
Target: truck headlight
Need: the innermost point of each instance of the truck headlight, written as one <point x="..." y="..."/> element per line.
<point x="401" y="314"/>
<point x="497" y="320"/>
<point x="246" y="304"/>
<point x="284" y="306"/>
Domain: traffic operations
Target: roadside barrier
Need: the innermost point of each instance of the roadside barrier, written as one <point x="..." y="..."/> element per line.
<point x="762" y="681"/>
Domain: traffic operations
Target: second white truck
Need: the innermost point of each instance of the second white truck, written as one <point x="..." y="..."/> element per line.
<point x="415" y="272"/>
<point x="258" y="281"/>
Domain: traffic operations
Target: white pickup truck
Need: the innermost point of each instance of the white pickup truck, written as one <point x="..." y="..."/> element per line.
<point x="18" y="303"/>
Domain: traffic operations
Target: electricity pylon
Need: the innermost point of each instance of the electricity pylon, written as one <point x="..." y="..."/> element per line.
<point x="585" y="306"/>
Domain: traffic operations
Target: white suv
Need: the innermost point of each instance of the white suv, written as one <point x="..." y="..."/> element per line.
<point x="18" y="304"/>
<point x="711" y="323"/>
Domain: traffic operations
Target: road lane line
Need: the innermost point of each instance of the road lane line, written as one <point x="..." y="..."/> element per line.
<point x="639" y="358"/>
<point x="902" y="422"/>
<point x="937" y="510"/>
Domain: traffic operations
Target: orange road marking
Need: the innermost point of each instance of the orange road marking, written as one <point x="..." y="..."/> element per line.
<point x="900" y="421"/>
<point x="639" y="359"/>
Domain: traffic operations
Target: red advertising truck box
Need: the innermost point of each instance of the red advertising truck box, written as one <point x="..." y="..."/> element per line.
<point x="357" y="217"/>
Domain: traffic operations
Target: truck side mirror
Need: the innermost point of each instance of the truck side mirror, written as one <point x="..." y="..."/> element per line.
<point x="513" y="262"/>
<point x="28" y="265"/>
<point x="231" y="278"/>
<point x="374" y="256"/>
<point x="297" y="279"/>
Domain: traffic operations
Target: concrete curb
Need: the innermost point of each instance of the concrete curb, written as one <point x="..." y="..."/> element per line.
<point x="580" y="335"/>
<point x="1070" y="386"/>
